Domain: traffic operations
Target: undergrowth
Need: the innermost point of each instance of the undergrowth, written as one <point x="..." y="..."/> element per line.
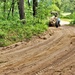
<point x="14" y="31"/>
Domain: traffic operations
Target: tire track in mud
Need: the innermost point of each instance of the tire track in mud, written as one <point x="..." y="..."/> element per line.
<point x="42" y="58"/>
<point x="30" y="50"/>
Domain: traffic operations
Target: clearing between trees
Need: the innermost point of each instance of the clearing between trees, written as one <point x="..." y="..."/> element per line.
<point x="52" y="53"/>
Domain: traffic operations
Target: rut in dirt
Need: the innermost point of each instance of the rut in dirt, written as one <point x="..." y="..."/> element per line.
<point x="51" y="54"/>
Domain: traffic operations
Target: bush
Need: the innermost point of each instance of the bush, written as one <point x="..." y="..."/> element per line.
<point x="3" y="42"/>
<point x="73" y="17"/>
<point x="14" y="31"/>
<point x="2" y="34"/>
<point x="72" y="22"/>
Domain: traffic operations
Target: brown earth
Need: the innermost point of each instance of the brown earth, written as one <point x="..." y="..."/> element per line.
<point x="52" y="53"/>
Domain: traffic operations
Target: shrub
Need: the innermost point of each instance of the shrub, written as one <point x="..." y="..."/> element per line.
<point x="2" y="34"/>
<point x="14" y="31"/>
<point x="73" y="17"/>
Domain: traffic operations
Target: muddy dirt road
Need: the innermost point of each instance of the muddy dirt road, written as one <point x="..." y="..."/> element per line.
<point x="52" y="53"/>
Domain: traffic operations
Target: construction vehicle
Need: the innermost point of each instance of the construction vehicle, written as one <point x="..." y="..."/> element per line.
<point x="54" y="20"/>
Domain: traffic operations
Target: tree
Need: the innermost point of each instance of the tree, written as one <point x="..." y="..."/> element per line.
<point x="4" y="7"/>
<point x="13" y="3"/>
<point x="21" y="10"/>
<point x="35" y="3"/>
<point x="28" y="3"/>
<point x="68" y="5"/>
<point x="11" y="8"/>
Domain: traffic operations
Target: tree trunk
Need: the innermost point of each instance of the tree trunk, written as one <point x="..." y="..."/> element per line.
<point x="21" y="10"/>
<point x="13" y="3"/>
<point x="34" y="7"/>
<point x="28" y="3"/>
<point x="4" y="7"/>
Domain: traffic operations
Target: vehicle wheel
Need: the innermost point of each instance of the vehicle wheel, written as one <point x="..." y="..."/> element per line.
<point x="56" y="24"/>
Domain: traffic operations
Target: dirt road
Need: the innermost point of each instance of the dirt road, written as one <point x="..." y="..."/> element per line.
<point x="52" y="53"/>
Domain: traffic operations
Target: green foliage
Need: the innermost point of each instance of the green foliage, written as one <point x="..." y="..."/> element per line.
<point x="14" y="31"/>
<point x="2" y="42"/>
<point x="68" y="5"/>
<point x="45" y="11"/>
<point x="70" y="18"/>
<point x="2" y="34"/>
<point x="73" y="17"/>
<point x="67" y="17"/>
<point x="72" y="22"/>
<point x="54" y="8"/>
<point x="39" y="29"/>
